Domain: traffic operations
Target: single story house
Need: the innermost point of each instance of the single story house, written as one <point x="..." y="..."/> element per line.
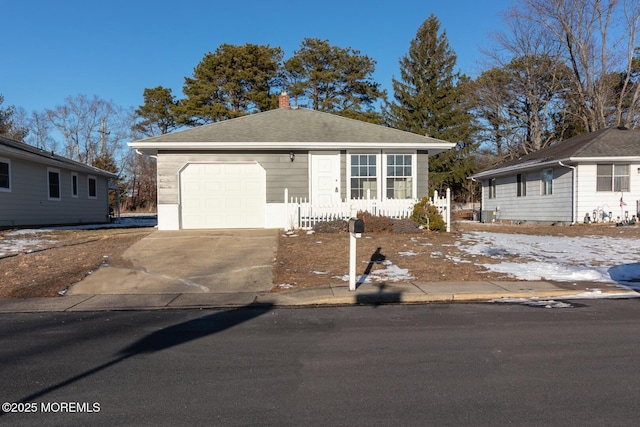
<point x="39" y="187"/>
<point x="240" y="173"/>
<point x="583" y="178"/>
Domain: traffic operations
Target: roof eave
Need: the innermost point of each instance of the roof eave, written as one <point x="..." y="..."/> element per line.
<point x="152" y="148"/>
<point x="58" y="163"/>
<point x="514" y="168"/>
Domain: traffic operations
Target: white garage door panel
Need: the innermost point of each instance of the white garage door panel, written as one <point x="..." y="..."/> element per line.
<point x="223" y="195"/>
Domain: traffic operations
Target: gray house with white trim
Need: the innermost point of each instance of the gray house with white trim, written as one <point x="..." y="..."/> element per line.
<point x="568" y="180"/>
<point x="39" y="187"/>
<point x="234" y="173"/>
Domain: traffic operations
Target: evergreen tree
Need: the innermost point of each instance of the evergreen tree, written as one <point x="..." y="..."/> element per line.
<point x="8" y="125"/>
<point x="429" y="101"/>
<point x="158" y="113"/>
<point x="333" y="79"/>
<point x="231" y="82"/>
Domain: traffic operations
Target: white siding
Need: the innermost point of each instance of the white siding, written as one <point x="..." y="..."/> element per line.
<point x="589" y="199"/>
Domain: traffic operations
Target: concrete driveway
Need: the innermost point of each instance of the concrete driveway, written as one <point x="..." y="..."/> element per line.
<point x="190" y="261"/>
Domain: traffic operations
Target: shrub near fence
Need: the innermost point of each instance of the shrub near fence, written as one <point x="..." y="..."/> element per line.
<point x="303" y="214"/>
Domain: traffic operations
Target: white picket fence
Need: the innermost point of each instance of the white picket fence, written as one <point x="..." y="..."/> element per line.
<point x="303" y="214"/>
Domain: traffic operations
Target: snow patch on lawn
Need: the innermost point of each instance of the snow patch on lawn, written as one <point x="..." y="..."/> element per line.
<point x="559" y="258"/>
<point x="392" y="273"/>
<point x="27" y="240"/>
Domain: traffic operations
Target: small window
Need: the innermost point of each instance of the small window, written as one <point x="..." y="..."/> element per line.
<point x="612" y="178"/>
<point x="522" y="185"/>
<point x="399" y="176"/>
<point x="492" y="188"/>
<point x="5" y="175"/>
<point x="54" y="184"/>
<point x="74" y="184"/>
<point x="546" y="182"/>
<point x="363" y="176"/>
<point x="93" y="190"/>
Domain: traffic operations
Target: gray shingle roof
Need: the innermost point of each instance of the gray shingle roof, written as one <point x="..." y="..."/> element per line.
<point x="603" y="144"/>
<point x="10" y="147"/>
<point x="292" y="125"/>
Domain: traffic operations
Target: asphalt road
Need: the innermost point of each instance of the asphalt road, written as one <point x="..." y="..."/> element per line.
<point x="460" y="364"/>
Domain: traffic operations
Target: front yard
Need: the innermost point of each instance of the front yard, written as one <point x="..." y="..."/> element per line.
<point x="43" y="264"/>
<point x="471" y="252"/>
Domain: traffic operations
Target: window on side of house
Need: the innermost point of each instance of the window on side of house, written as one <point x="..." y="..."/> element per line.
<point x="74" y="184"/>
<point x="5" y="175"/>
<point x="53" y="181"/>
<point x="546" y="182"/>
<point x="93" y="187"/>
<point x="492" y="188"/>
<point x="612" y="177"/>
<point x="364" y="173"/>
<point x="521" y="185"/>
<point x="399" y="176"/>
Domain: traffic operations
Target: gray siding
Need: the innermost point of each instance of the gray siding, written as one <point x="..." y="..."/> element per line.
<point x="423" y="175"/>
<point x="28" y="201"/>
<point x="533" y="207"/>
<point x="281" y="172"/>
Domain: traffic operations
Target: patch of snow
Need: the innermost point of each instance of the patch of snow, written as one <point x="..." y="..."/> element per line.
<point x="392" y="273"/>
<point x="15" y="242"/>
<point x="407" y="253"/>
<point x="534" y="302"/>
<point x="560" y="258"/>
<point x="537" y="270"/>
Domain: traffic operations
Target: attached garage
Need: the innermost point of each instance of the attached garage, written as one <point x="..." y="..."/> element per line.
<point x="222" y="195"/>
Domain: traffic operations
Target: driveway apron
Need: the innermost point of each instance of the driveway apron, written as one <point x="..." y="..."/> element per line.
<point x="190" y="261"/>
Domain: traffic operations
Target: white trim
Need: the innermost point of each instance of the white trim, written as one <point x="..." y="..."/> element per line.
<point x="75" y="175"/>
<point x="540" y="164"/>
<point x="89" y="178"/>
<point x="414" y="171"/>
<point x="168" y="216"/>
<point x="152" y="148"/>
<point x="378" y="155"/>
<point x="8" y="162"/>
<point x="56" y="171"/>
<point x="381" y="170"/>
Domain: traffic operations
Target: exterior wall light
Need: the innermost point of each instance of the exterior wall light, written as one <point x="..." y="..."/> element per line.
<point x="292" y="156"/>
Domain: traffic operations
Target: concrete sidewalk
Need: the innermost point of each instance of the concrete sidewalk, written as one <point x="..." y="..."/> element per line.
<point x="333" y="295"/>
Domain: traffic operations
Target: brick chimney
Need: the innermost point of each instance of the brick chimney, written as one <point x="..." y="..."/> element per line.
<point x="283" y="100"/>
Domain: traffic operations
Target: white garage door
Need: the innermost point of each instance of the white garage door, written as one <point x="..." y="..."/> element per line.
<point x="223" y="195"/>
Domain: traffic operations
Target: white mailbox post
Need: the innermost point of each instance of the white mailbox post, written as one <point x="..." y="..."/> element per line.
<point x="356" y="228"/>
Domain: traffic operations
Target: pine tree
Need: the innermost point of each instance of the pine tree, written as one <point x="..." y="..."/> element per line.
<point x="333" y="79"/>
<point x="158" y="114"/>
<point x="429" y="101"/>
<point x="231" y="82"/>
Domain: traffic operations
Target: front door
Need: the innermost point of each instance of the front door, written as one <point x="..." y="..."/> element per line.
<point x="325" y="179"/>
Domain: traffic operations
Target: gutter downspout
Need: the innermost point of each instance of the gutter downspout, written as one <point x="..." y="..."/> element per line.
<point x="574" y="185"/>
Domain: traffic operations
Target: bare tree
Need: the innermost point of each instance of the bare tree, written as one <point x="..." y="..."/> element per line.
<point x="91" y="128"/>
<point x="39" y="131"/>
<point x="597" y="40"/>
<point x="518" y="100"/>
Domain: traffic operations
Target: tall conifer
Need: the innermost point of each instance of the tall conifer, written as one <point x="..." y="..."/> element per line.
<point x="429" y="101"/>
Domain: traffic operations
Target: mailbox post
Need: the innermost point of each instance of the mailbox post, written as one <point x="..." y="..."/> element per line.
<point x="356" y="228"/>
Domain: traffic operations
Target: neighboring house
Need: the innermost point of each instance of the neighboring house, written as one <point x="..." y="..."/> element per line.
<point x="235" y="173"/>
<point x="568" y="180"/>
<point x="38" y="187"/>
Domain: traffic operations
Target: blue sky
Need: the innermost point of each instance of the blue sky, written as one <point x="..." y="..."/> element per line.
<point x="115" y="49"/>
